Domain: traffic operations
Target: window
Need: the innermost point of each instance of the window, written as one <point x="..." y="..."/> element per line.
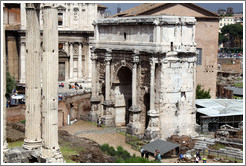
<point x="199" y="57"/>
<point x="60" y="19"/>
<point x="220" y="24"/>
<point x="224" y="24"/>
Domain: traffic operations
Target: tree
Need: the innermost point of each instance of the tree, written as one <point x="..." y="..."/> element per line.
<point x="201" y="93"/>
<point x="233" y="31"/>
<point x="10" y="84"/>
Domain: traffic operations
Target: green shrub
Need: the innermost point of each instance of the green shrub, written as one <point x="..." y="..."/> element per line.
<point x="134" y="159"/>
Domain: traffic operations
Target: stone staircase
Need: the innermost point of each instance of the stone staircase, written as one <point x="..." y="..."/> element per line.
<point x="232" y="152"/>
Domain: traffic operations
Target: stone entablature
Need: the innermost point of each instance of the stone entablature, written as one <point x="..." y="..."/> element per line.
<point x="158" y="33"/>
<point x="148" y="86"/>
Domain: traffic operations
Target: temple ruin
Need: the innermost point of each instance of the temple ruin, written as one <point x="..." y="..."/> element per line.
<point x="144" y="71"/>
<point x="41" y="130"/>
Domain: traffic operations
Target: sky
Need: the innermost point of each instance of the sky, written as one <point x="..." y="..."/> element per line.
<point x="237" y="7"/>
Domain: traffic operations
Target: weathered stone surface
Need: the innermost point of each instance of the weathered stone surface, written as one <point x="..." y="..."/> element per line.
<point x="157" y="59"/>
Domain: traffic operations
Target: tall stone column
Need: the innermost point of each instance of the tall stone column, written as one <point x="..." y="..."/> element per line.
<point x="33" y="87"/>
<point x="71" y="61"/>
<point x="90" y="64"/>
<point x="5" y="144"/>
<point x="80" y="61"/>
<point x="153" y="131"/>
<point x="95" y="100"/>
<point x="134" y="125"/>
<point x="50" y="149"/>
<point x="23" y="16"/>
<point x="108" y="119"/>
<point x="23" y="57"/>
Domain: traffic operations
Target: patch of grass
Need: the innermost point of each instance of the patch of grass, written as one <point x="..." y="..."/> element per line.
<point x="217" y="146"/>
<point x="15" y="144"/>
<point x="239" y="85"/>
<point x="23" y="121"/>
<point x="67" y="150"/>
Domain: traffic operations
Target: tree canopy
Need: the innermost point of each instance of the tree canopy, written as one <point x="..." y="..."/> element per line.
<point x="233" y="30"/>
<point x="201" y="93"/>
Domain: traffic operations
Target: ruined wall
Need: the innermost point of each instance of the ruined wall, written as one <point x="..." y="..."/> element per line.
<point x="231" y="65"/>
<point x="16" y="114"/>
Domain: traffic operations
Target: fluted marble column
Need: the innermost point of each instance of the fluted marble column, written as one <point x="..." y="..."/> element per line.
<point x="50" y="149"/>
<point x="22" y="61"/>
<point x="80" y="61"/>
<point x="71" y="60"/>
<point x="33" y="87"/>
<point x="5" y="144"/>
<point x="134" y="126"/>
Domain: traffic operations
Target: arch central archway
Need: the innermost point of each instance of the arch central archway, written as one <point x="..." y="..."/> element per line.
<point x="123" y="95"/>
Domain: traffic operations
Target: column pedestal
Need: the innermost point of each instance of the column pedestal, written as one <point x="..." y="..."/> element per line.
<point x="93" y="115"/>
<point x="153" y="130"/>
<point x="134" y="125"/>
<point x="108" y="119"/>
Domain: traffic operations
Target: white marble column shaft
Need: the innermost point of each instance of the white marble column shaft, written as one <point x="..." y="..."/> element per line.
<point x="108" y="58"/>
<point x="33" y="86"/>
<point x="5" y="144"/>
<point x="50" y="149"/>
<point x="23" y="61"/>
<point x="94" y="74"/>
<point x="71" y="60"/>
<point x="152" y="84"/>
<point x="80" y="61"/>
<point x="134" y="81"/>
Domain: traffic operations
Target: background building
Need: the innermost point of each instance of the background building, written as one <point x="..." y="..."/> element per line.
<point x="75" y="29"/>
<point x="206" y="35"/>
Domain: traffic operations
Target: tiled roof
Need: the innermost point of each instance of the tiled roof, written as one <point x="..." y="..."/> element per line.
<point x="147" y="7"/>
<point x="101" y="6"/>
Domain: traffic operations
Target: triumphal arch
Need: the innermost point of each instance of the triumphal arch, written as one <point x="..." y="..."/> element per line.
<point x="144" y="74"/>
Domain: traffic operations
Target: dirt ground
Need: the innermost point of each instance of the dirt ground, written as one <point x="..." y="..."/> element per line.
<point x="104" y="135"/>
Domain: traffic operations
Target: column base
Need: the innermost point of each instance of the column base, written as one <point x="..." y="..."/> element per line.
<point x="152" y="133"/>
<point x="51" y="156"/>
<point x="108" y="103"/>
<point x="5" y="147"/>
<point x="134" y="109"/>
<point x="133" y="128"/>
<point x="32" y="145"/>
<point x="92" y="116"/>
<point x="95" y="100"/>
<point x="108" y="120"/>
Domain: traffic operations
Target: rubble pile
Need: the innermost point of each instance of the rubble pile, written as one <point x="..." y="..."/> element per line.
<point x="185" y="142"/>
<point x="15" y="131"/>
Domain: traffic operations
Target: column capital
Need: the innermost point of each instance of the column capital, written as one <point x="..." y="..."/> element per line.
<point x="71" y="43"/>
<point x="135" y="58"/>
<point x="108" y="56"/>
<point x="94" y="56"/>
<point x="153" y="60"/>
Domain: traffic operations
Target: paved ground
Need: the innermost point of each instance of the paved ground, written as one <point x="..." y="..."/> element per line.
<point x="106" y="135"/>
